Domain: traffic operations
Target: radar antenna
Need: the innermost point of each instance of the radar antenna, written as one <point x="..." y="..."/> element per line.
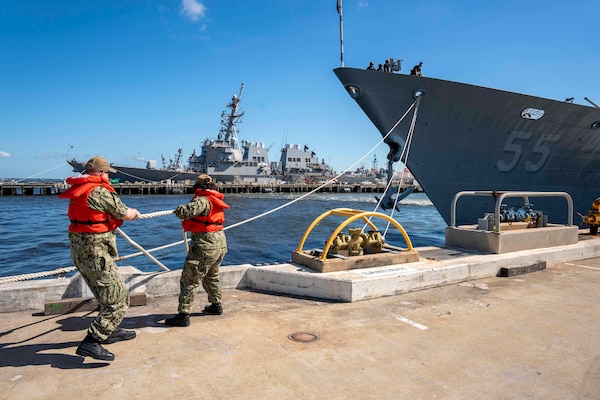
<point x="229" y="120"/>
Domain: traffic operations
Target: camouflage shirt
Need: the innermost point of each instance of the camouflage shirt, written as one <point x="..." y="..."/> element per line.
<point x="104" y="200"/>
<point x="200" y="206"/>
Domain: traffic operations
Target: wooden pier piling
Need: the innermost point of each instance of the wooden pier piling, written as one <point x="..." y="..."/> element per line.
<point x="54" y="188"/>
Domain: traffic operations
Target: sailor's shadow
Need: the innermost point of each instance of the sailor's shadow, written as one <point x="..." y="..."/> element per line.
<point x="82" y="323"/>
<point x="36" y="354"/>
<point x="157" y="320"/>
<point x="142" y="321"/>
<point x="154" y="320"/>
<point x="145" y="321"/>
<point x="20" y="354"/>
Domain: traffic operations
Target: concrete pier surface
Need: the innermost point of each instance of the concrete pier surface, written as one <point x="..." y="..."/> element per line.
<point x="529" y="336"/>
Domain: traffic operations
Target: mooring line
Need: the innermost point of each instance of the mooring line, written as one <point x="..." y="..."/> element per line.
<point x="147" y="252"/>
<point x="137" y="246"/>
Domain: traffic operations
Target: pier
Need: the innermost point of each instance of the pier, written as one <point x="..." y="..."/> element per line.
<point x="137" y="188"/>
<point x="449" y="326"/>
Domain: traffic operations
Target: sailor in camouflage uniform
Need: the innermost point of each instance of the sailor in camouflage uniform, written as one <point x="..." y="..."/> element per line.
<point x="95" y="211"/>
<point x="203" y="216"/>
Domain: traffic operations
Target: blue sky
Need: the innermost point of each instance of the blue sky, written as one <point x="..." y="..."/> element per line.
<point x="134" y="80"/>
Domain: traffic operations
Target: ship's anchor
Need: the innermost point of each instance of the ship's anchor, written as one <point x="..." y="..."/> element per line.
<point x="392" y="195"/>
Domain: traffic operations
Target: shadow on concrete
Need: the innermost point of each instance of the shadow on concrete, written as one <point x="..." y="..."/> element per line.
<point x="18" y="354"/>
<point x="35" y="354"/>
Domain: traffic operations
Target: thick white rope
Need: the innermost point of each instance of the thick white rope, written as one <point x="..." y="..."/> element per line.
<point x="61" y="271"/>
<point x="156" y="214"/>
<point x="166" y="246"/>
<point x="147" y="252"/>
<point x="43" y="172"/>
<point x="327" y="182"/>
<point x="406" y="144"/>
<point x="405" y="152"/>
<point x="137" y="246"/>
<point x="16" y="278"/>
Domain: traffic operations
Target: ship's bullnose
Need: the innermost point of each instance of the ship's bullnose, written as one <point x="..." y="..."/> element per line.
<point x="385" y="98"/>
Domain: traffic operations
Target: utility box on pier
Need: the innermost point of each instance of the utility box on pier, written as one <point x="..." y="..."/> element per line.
<point x="506" y="231"/>
<point x="514" y="237"/>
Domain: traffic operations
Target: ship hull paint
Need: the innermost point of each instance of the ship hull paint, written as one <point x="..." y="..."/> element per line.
<point x="470" y="138"/>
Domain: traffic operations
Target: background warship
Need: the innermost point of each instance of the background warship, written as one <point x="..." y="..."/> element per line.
<point x="227" y="159"/>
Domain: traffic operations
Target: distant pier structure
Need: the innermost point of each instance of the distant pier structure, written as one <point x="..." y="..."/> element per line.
<point x="53" y="188"/>
<point x="31" y="188"/>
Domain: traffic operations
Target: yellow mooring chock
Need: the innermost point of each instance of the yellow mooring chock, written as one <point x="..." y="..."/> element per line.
<point x="320" y="261"/>
<point x="592" y="219"/>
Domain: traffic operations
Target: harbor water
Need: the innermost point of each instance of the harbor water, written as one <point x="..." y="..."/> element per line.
<point x="34" y="228"/>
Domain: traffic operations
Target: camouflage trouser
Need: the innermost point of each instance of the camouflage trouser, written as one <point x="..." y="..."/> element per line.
<point x="201" y="265"/>
<point x="93" y="257"/>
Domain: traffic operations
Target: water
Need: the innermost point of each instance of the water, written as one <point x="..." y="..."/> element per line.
<point x="34" y="228"/>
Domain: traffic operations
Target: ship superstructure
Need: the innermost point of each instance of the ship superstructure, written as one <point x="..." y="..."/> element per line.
<point x="225" y="158"/>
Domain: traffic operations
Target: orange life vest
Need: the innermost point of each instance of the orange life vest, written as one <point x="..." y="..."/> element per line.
<point x="83" y="218"/>
<point x="216" y="217"/>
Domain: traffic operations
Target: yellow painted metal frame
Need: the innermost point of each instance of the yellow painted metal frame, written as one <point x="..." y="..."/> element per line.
<point x="352" y="215"/>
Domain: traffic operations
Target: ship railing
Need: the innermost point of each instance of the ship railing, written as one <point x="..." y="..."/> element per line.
<point x="499" y="197"/>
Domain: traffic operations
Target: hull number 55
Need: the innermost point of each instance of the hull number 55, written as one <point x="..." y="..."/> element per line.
<point x="534" y="159"/>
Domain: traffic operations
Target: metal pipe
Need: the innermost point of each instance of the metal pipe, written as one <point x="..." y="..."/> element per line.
<point x="339" y="10"/>
<point x="591" y="102"/>
<point x="499" y="196"/>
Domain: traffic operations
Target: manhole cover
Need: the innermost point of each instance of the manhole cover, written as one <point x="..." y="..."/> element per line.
<point x="303" y="337"/>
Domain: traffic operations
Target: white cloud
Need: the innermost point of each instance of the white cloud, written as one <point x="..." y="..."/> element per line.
<point x="193" y="9"/>
<point x="4" y="154"/>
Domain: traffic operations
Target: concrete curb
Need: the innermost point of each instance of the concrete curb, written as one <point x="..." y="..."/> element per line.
<point x="437" y="267"/>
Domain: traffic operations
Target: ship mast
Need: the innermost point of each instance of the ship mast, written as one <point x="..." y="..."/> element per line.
<point x="229" y="121"/>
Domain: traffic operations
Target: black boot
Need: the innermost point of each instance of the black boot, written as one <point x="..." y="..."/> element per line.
<point x="214" y="309"/>
<point x="178" y="320"/>
<point x="118" y="335"/>
<point x="91" y="347"/>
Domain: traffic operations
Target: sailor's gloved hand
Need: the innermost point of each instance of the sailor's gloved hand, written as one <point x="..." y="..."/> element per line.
<point x="180" y="211"/>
